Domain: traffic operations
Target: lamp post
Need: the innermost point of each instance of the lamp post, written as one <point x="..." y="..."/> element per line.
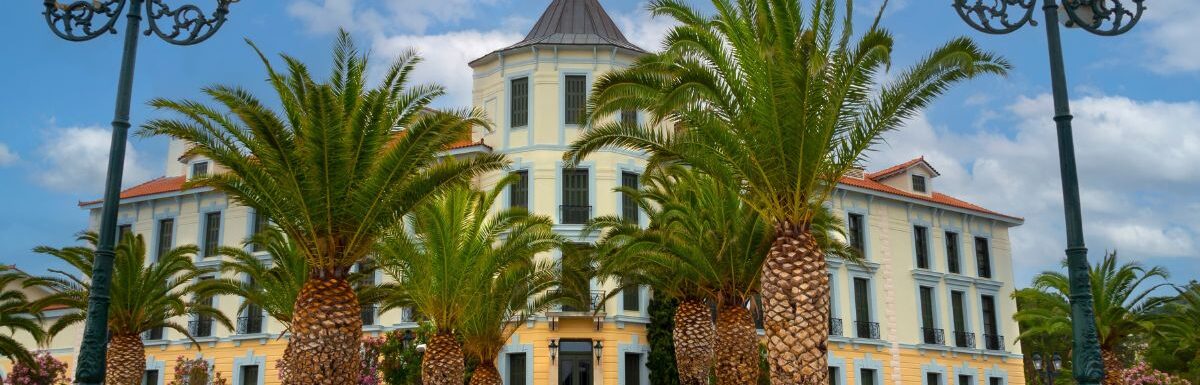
<point x="1100" y="17"/>
<point x="1048" y="369"/>
<point x="85" y="20"/>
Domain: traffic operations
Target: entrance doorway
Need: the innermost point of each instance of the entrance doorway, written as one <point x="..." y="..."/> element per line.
<point x="575" y="363"/>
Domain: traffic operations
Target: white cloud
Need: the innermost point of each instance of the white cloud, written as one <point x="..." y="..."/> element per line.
<point x="446" y="56"/>
<point x="75" y="159"/>
<point x="376" y="18"/>
<point x="7" y="156"/>
<point x="1136" y="163"/>
<point x="643" y="29"/>
<point x="1172" y="32"/>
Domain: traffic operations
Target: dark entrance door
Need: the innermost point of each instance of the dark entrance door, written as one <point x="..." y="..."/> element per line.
<point x="575" y="363"/>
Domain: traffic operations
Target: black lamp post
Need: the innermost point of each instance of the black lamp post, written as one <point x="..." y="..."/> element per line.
<point x="78" y="21"/>
<point x="1100" y="17"/>
<point x="1048" y="369"/>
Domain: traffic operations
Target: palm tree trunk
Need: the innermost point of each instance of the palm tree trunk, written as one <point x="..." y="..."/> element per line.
<point x="126" y="360"/>
<point x="443" y="362"/>
<point x="736" y="347"/>
<point x="694" y="334"/>
<point x="1112" y="367"/>
<point x="795" y="295"/>
<point x="486" y="374"/>
<point x="326" y="330"/>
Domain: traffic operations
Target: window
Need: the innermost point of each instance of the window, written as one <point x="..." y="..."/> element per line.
<point x="250" y="375"/>
<point x="366" y="269"/>
<point x="982" y="258"/>
<point x="866" y="376"/>
<point x="862" y="310"/>
<point x="629" y="206"/>
<point x="518" y="191"/>
<point x="995" y="381"/>
<point x="929" y="332"/>
<point x="933" y="379"/>
<point x="516" y="369"/>
<point x="921" y="238"/>
<point x="952" y="260"/>
<point x="629" y="117"/>
<point x="633" y="369"/>
<point x="252" y="321"/>
<point x="855" y="231"/>
<point x="151" y="377"/>
<point x="199" y="170"/>
<point x="918" y="183"/>
<point x="575" y="97"/>
<point x="576" y="208"/>
<point x="212" y="233"/>
<point x="961" y="338"/>
<point x="964" y="380"/>
<point x="260" y="224"/>
<point x="631" y="297"/>
<point x="833" y="375"/>
<point x="519" y="103"/>
<point x="122" y="230"/>
<point x="166" y="236"/>
<point x="991" y="334"/>
<point x="202" y="323"/>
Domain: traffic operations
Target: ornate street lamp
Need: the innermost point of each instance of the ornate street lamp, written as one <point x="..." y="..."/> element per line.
<point x="599" y="348"/>
<point x="86" y="20"/>
<point x="1100" y="17"/>
<point x="1047" y="369"/>
<point x="553" y="350"/>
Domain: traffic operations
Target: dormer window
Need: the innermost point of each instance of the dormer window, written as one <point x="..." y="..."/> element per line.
<point x="918" y="183"/>
<point x="199" y="170"/>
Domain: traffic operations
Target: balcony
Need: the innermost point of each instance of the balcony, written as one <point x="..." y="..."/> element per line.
<point x="835" y="327"/>
<point x="153" y="334"/>
<point x="594" y="303"/>
<point x="250" y="324"/>
<point x="933" y="336"/>
<point x="574" y="214"/>
<point x="993" y="342"/>
<point x="201" y="327"/>
<point x="368" y="314"/>
<point x="869" y="330"/>
<point x="964" y="340"/>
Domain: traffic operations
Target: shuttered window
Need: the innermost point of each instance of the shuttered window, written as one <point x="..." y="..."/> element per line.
<point x="575" y="97"/>
<point x="212" y="233"/>
<point x="629" y="206"/>
<point x="629" y="117"/>
<point x="576" y="209"/>
<point x="166" y="235"/>
<point x="953" y="262"/>
<point x="983" y="258"/>
<point x="519" y="103"/>
<point x="260" y="225"/>
<point x="921" y="238"/>
<point x="518" y="192"/>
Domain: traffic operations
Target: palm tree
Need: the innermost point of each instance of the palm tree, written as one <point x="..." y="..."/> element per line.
<point x="17" y="315"/>
<point x="785" y="103"/>
<point x="340" y="164"/>
<point x="468" y="271"/>
<point x="145" y="295"/>
<point x="272" y="287"/>
<point x="715" y="244"/>
<point x="1124" y="306"/>
<point x="1176" y="333"/>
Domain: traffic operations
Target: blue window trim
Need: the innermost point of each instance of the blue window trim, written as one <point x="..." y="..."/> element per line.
<point x="562" y="100"/>
<point x="866" y="226"/>
<point x="868" y="363"/>
<point x="216" y="303"/>
<point x="966" y="370"/>
<point x="158" y="218"/>
<point x="933" y="367"/>
<point x="628" y="166"/>
<point x="633" y="347"/>
<point x="840" y="363"/>
<point x="912" y="224"/>
<point x="558" y="187"/>
<point x="515" y="346"/>
<point x="249" y="360"/>
<point x="991" y="256"/>
<point x="967" y="319"/>
<point x="519" y="164"/>
<point x="995" y="372"/>
<point x="870" y="302"/>
<point x="937" y="310"/>
<point x="193" y="163"/>
<point x="203" y="211"/>
<point x="529" y="115"/>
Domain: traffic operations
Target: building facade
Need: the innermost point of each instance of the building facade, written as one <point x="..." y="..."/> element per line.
<point x="930" y="305"/>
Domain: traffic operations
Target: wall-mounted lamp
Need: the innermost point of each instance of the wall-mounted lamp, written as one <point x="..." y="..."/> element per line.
<point x="553" y="350"/>
<point x="599" y="349"/>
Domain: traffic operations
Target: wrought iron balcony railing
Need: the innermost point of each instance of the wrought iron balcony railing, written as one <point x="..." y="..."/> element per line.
<point x="368" y="314"/>
<point x="153" y="334"/>
<point x="575" y="214"/>
<point x="250" y="324"/>
<point x="835" y="326"/>
<point x="593" y="303"/>
<point x="993" y="342"/>
<point x="201" y="327"/>
<point x="964" y="340"/>
<point x="933" y="336"/>
<point x="866" y="329"/>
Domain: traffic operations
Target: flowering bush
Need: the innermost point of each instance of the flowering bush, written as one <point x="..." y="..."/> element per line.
<point x="46" y="371"/>
<point x="1143" y="374"/>
<point x="195" y="372"/>
<point x="370" y="360"/>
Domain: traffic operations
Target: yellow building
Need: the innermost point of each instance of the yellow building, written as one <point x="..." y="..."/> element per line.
<point x="931" y="305"/>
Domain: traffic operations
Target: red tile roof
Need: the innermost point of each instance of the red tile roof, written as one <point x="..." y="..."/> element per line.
<point x="871" y="182"/>
<point x="155" y="186"/>
<point x="900" y="167"/>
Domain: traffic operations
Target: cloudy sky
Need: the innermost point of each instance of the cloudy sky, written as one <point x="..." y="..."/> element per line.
<point x="1135" y="100"/>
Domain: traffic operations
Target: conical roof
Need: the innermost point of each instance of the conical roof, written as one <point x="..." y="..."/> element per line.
<point x="574" y="22"/>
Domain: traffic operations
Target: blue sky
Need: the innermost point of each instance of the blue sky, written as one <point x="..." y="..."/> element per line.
<point x="1135" y="99"/>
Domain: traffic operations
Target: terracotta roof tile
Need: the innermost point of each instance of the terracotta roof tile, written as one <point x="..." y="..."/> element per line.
<point x="936" y="197"/>
<point x="155" y="186"/>
<point x="903" y="166"/>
